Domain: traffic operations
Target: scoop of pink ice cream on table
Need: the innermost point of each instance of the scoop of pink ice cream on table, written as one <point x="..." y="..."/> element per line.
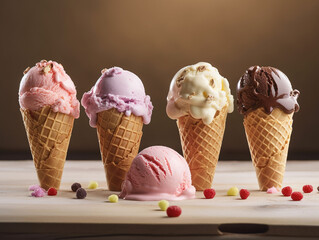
<point x="118" y="106"/>
<point x="48" y="104"/>
<point x="158" y="173"/>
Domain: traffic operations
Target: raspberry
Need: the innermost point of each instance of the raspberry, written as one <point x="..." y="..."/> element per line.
<point x="286" y="191"/>
<point x="52" y="191"/>
<point x="244" y="193"/>
<point x="209" y="193"/>
<point x="296" y="196"/>
<point x="307" y="189"/>
<point x="173" y="211"/>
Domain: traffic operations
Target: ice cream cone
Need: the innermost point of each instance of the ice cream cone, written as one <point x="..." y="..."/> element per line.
<point x="49" y="135"/>
<point x="268" y="137"/>
<point x="119" y="138"/>
<point x="201" y="145"/>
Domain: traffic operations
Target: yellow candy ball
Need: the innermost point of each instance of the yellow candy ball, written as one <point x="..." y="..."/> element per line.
<point x="233" y="191"/>
<point x="163" y="205"/>
<point x="93" y="185"/>
<point x="113" y="198"/>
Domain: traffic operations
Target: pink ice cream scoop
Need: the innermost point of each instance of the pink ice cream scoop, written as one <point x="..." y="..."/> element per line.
<point x="158" y="173"/>
<point x="120" y="89"/>
<point x="47" y="84"/>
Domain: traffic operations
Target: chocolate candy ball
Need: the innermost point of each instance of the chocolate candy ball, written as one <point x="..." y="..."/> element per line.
<point x="80" y="193"/>
<point x="75" y="186"/>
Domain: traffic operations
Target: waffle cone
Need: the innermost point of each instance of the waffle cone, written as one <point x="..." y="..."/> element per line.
<point x="119" y="138"/>
<point x="49" y="135"/>
<point x="268" y="137"/>
<point x="201" y="145"/>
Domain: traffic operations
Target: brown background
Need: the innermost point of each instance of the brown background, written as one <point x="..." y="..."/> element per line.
<point x="154" y="39"/>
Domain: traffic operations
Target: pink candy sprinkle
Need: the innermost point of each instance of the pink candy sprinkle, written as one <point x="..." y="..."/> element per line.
<point x="33" y="187"/>
<point x="37" y="191"/>
<point x="272" y="190"/>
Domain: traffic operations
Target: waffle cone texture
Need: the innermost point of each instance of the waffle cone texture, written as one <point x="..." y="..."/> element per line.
<point x="268" y="137"/>
<point x="201" y="145"/>
<point x="119" y="138"/>
<point x="49" y="135"/>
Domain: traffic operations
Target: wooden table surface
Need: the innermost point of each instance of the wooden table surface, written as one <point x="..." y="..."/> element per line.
<point x="64" y="215"/>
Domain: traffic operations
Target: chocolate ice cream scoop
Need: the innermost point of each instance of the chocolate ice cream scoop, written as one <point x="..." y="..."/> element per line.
<point x="266" y="87"/>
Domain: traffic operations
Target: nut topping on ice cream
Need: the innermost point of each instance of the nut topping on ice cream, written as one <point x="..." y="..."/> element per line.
<point x="26" y="70"/>
<point x="47" y="68"/>
<point x="201" y="68"/>
<point x="266" y="87"/>
<point x="200" y="91"/>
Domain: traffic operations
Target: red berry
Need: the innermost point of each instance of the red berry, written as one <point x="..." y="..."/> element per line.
<point x="52" y="191"/>
<point x="244" y="193"/>
<point x="286" y="191"/>
<point x="173" y="211"/>
<point x="307" y="189"/>
<point x="296" y="196"/>
<point x="209" y="193"/>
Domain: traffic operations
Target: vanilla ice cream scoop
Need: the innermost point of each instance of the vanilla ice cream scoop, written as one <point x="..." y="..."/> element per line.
<point x="158" y="173"/>
<point x="198" y="90"/>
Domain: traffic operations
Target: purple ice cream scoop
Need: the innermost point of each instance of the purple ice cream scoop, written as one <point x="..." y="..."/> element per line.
<point x="120" y="89"/>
